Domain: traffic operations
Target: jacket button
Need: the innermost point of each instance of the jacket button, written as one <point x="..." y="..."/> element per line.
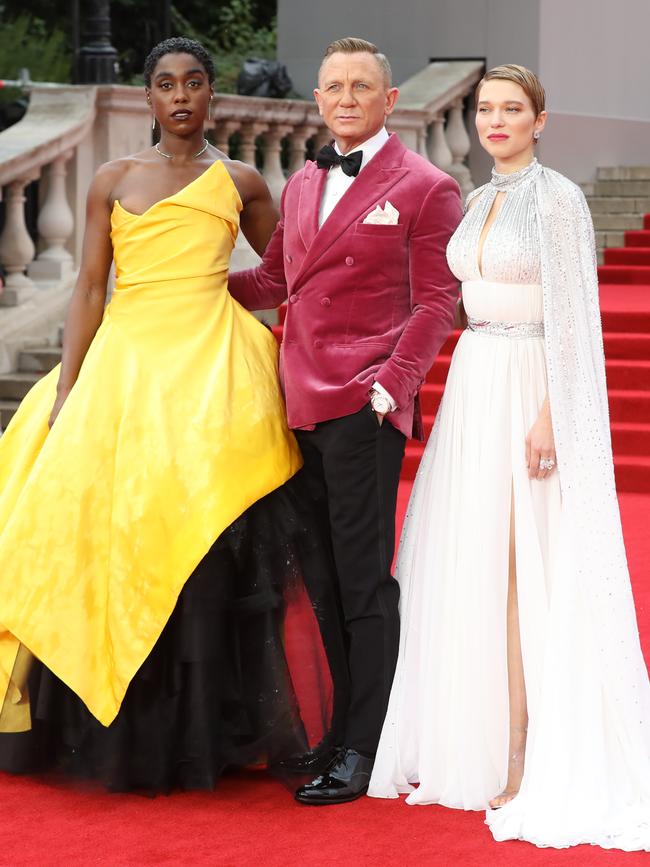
<point x="318" y="344"/>
<point x="349" y="260"/>
<point x="289" y="258"/>
<point x="325" y="302"/>
<point x="293" y="299"/>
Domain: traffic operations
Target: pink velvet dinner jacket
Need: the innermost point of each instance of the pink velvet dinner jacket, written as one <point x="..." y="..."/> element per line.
<point x="365" y="302"/>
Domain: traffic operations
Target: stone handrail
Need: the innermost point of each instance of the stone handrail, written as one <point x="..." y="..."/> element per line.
<point x="86" y="126"/>
<point x="438" y="93"/>
<point x="57" y="121"/>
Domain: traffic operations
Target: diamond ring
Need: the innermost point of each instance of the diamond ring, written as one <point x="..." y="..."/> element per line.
<point x="546" y="463"/>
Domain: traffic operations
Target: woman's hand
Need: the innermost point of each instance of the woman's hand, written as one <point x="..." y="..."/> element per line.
<point x="540" y="444"/>
<point x="61" y="395"/>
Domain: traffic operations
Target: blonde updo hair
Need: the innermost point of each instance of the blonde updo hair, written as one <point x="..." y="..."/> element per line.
<point x="527" y="80"/>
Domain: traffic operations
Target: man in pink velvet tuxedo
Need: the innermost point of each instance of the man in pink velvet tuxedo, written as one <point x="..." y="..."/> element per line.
<point x="359" y="253"/>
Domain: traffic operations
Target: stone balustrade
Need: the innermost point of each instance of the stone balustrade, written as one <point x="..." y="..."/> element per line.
<point x="39" y="148"/>
<point x="68" y="131"/>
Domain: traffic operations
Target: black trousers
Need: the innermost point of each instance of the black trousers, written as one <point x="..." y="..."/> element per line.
<point x="352" y="469"/>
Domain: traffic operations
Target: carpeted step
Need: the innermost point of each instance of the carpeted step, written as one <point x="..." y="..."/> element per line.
<point x="631" y="438"/>
<point x="635" y="255"/>
<point x="632" y="474"/>
<point x="624" y="320"/>
<point x="440" y="369"/>
<point x="646" y="221"/>
<point x="629" y="406"/>
<point x="638" y="238"/>
<point x="430" y="395"/>
<point x="636" y="274"/>
<point x="628" y="373"/>
<point x="626" y="345"/>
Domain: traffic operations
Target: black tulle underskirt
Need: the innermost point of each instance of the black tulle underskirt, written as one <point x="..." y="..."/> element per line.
<point x="250" y="669"/>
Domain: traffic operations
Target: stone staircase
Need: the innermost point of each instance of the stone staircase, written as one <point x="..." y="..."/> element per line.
<point x="618" y="199"/>
<point x="33" y="363"/>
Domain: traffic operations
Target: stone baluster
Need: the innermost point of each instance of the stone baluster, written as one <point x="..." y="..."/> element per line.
<point x="439" y="152"/>
<point x="298" y="145"/>
<point x="459" y="145"/>
<point x="249" y="132"/>
<point x="16" y="246"/>
<point x="273" y="174"/>
<point x="222" y="132"/>
<point x="55" y="225"/>
<point x="323" y="137"/>
<point x="423" y="141"/>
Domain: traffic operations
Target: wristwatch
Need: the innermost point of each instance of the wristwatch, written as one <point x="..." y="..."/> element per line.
<point x="379" y="402"/>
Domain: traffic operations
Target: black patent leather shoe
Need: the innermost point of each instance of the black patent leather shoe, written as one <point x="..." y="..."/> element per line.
<point x="345" y="780"/>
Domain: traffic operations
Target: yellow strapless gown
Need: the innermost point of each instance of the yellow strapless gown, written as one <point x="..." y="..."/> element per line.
<point x="173" y="429"/>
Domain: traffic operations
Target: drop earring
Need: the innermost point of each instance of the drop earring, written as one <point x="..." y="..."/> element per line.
<point x="536" y="136"/>
<point x="210" y="109"/>
<point x="153" y="121"/>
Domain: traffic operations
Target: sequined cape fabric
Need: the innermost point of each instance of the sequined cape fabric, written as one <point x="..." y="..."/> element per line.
<point x="175" y="426"/>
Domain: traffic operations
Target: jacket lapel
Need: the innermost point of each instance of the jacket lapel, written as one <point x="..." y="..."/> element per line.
<point x="372" y="184"/>
<point x="311" y="193"/>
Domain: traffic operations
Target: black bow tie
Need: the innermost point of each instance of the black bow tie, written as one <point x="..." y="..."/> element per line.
<point x="350" y="163"/>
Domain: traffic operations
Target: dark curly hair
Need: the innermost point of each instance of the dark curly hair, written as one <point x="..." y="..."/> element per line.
<point x="178" y="45"/>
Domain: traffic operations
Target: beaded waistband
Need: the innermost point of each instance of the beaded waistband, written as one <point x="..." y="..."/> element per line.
<point x="506" y="329"/>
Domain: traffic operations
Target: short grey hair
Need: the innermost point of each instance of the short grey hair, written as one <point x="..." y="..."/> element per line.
<point x="354" y="45"/>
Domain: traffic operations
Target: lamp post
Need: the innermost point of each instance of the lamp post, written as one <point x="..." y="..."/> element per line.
<point x="96" y="59"/>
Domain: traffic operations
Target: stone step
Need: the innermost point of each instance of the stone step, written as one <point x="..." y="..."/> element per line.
<point x="7" y="409"/>
<point x="14" y="386"/>
<point x="623" y="173"/>
<point x="41" y="358"/>
<point x="633" y="189"/>
<point x="618" y="205"/>
<point x="617" y="222"/>
<point x="610" y="239"/>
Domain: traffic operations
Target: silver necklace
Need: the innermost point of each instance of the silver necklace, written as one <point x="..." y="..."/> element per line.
<point x="514" y="179"/>
<point x="193" y="157"/>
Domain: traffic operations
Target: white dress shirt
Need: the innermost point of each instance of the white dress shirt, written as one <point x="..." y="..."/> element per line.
<point x="337" y="184"/>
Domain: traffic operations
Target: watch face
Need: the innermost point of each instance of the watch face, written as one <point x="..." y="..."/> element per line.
<point x="380" y="404"/>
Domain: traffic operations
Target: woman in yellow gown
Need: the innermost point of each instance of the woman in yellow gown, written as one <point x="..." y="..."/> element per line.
<point x="152" y="547"/>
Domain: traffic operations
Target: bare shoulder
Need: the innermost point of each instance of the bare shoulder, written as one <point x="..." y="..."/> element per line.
<point x="249" y="182"/>
<point x="109" y="174"/>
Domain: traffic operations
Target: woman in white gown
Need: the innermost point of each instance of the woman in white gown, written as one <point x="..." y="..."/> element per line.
<point x="521" y="686"/>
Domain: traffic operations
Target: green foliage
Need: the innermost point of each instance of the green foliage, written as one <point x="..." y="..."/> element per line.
<point x="28" y="42"/>
<point x="233" y="35"/>
<point x="42" y="41"/>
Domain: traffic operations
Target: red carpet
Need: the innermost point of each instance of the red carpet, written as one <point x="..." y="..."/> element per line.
<point x="251" y="820"/>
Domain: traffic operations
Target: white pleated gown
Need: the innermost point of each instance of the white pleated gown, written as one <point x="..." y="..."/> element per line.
<point x="445" y="738"/>
<point x="453" y="564"/>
